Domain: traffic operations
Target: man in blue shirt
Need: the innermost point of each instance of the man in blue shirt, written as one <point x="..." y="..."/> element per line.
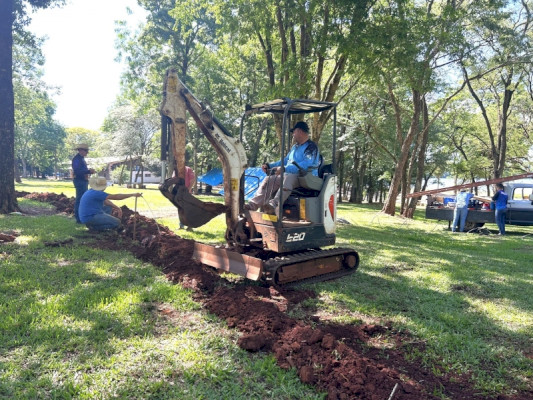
<point x="500" y="198"/>
<point x="81" y="176"/>
<point x="305" y="153"/>
<point x="461" y="210"/>
<point x="96" y="207"/>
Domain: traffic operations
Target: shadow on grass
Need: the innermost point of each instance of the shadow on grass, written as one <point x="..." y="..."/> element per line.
<point x="445" y="288"/>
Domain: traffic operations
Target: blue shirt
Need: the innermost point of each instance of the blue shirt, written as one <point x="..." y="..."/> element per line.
<point x="305" y="154"/>
<point x="79" y="167"/>
<point x="91" y="203"/>
<point x="501" y="200"/>
<point x="462" y="199"/>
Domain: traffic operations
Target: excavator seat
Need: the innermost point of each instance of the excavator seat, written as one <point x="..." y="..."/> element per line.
<point x="310" y="185"/>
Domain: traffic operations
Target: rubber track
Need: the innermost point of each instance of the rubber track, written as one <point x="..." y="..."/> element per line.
<point x="273" y="264"/>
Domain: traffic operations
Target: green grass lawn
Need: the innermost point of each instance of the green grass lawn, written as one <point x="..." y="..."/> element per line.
<point x="81" y="322"/>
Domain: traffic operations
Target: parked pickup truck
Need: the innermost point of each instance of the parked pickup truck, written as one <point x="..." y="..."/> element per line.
<point x="519" y="208"/>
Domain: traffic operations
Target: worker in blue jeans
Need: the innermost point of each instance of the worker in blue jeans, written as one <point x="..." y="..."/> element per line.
<point x="96" y="207"/>
<point x="461" y="210"/>
<point x="500" y="198"/>
<point x="81" y="176"/>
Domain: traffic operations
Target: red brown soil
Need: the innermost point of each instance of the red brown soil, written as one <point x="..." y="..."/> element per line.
<point x="59" y="201"/>
<point x="341" y="360"/>
<point x="6" y="237"/>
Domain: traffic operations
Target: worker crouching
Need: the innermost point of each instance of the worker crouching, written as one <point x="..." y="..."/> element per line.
<point x="96" y="209"/>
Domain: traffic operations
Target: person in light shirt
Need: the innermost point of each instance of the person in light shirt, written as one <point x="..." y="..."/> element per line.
<point x="461" y="210"/>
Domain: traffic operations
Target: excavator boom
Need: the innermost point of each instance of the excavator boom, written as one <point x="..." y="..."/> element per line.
<point x="177" y="101"/>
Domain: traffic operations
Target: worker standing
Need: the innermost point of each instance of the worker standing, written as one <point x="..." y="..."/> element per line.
<point x="461" y="210"/>
<point x="81" y="176"/>
<point x="500" y="198"/>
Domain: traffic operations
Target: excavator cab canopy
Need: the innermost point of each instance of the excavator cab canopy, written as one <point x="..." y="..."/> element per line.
<point x="291" y="106"/>
<point x="288" y="107"/>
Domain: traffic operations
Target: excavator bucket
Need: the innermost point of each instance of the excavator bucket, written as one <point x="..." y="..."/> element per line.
<point x="192" y="211"/>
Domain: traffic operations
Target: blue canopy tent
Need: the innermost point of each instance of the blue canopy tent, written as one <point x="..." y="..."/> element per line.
<point x="252" y="178"/>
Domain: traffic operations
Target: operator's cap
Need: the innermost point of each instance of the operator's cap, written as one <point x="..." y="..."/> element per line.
<point x="82" y="146"/>
<point x="301" y="125"/>
<point x="98" y="182"/>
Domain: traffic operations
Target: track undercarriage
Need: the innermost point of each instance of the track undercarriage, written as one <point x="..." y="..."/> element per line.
<point x="313" y="265"/>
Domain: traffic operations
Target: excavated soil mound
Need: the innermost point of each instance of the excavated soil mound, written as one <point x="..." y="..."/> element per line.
<point x="346" y="361"/>
<point x="60" y="201"/>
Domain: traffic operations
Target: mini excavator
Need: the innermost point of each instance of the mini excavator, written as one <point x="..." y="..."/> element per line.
<point x="281" y="249"/>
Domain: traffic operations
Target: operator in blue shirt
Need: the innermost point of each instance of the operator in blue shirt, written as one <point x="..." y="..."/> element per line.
<point x="305" y="153"/>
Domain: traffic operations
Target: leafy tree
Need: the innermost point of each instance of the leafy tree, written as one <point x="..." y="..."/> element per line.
<point x="133" y="132"/>
<point x="365" y="143"/>
<point x="411" y="49"/>
<point x="163" y="42"/>
<point x="46" y="147"/>
<point x="521" y="124"/>
<point x="496" y="64"/>
<point x="392" y="65"/>
<point x="305" y="47"/>
<point x="97" y="144"/>
<point x="38" y="138"/>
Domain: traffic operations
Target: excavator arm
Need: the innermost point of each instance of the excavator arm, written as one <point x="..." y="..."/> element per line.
<point x="177" y="101"/>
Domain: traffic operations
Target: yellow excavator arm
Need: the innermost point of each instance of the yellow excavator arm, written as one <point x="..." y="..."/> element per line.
<point x="177" y="101"/>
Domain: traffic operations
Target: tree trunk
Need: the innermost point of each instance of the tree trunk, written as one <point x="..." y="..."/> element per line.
<point x="24" y="168"/>
<point x="255" y="146"/>
<point x="17" y="173"/>
<point x="370" y="190"/>
<point x="406" y="184"/>
<point x="340" y="165"/>
<point x="142" y="172"/>
<point x="502" y="133"/>
<point x="389" y="207"/>
<point x="353" y="191"/>
<point x="403" y="187"/>
<point x="8" y="201"/>
<point x="361" y="178"/>
<point x="411" y="207"/>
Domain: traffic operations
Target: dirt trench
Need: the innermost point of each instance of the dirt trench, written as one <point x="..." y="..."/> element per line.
<point x="345" y="361"/>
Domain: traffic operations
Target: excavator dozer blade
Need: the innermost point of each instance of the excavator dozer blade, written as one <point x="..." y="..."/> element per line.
<point x="192" y="211"/>
<point x="230" y="261"/>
